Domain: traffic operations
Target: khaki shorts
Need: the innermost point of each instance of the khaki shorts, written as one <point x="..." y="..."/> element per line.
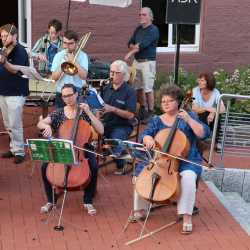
<point x="145" y="75"/>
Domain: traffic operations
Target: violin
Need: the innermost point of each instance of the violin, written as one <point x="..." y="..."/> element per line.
<point x="4" y="53"/>
<point x="159" y="181"/>
<point x="67" y="176"/>
<point x="8" y="49"/>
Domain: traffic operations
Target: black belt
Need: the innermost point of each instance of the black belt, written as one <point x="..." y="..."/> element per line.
<point x="142" y="60"/>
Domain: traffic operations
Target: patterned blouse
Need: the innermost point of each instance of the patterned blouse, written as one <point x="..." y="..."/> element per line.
<point x="58" y="117"/>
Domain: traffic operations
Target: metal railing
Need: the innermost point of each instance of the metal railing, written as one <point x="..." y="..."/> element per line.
<point x="231" y="130"/>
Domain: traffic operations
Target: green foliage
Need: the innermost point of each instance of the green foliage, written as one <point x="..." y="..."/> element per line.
<point x="237" y="83"/>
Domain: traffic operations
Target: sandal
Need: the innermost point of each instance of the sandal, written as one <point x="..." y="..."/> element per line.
<point x="136" y="217"/>
<point x="187" y="228"/>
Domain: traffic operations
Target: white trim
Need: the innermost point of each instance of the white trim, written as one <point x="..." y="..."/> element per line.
<point x="184" y="47"/>
<point x="21" y="23"/>
<point x="19" y="19"/>
<point x="29" y="26"/>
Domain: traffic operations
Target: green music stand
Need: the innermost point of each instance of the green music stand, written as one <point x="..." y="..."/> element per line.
<point x="55" y="151"/>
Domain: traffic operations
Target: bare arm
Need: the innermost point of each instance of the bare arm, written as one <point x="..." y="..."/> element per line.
<point x="133" y="48"/>
<point x="120" y="112"/>
<point x="57" y="74"/>
<point x="197" y="109"/>
<point x="95" y="122"/>
<point x="81" y="72"/>
<point x="194" y="125"/>
<point x="45" y="125"/>
<point x="8" y="66"/>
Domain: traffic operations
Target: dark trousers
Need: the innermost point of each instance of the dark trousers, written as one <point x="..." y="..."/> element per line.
<point x="203" y="117"/>
<point x="118" y="133"/>
<point x="90" y="190"/>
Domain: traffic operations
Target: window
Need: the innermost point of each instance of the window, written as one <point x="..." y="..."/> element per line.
<point x="24" y="22"/>
<point x="190" y="34"/>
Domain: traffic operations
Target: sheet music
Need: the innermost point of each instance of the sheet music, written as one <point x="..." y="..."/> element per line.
<point x="30" y="73"/>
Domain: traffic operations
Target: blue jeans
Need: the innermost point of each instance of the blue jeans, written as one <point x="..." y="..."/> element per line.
<point x="118" y="133"/>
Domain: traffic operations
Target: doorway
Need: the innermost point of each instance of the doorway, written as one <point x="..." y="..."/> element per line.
<point x="9" y="13"/>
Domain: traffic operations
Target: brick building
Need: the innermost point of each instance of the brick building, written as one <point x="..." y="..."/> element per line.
<point x="220" y="41"/>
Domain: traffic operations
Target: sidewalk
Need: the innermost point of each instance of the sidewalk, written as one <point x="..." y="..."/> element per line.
<point x="22" y="227"/>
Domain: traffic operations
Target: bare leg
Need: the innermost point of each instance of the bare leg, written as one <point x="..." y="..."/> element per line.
<point x="141" y="97"/>
<point x="150" y="100"/>
<point x="187" y="219"/>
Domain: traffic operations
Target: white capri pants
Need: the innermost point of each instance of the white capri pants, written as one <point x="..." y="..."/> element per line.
<point x="186" y="200"/>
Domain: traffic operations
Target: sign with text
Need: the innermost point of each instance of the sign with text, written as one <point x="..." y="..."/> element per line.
<point x="183" y="11"/>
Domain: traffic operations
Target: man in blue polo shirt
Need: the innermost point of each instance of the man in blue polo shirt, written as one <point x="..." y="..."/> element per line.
<point x="142" y="45"/>
<point x="13" y="91"/>
<point x="119" y="107"/>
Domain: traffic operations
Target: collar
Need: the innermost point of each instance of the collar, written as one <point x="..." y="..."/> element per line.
<point x="120" y="87"/>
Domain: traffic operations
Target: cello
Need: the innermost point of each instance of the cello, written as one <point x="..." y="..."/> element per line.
<point x="159" y="181"/>
<point x="67" y="176"/>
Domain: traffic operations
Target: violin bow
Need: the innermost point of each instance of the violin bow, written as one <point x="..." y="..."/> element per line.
<point x="87" y="150"/>
<point x="183" y="159"/>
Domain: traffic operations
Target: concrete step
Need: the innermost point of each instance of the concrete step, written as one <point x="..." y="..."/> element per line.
<point x="235" y="205"/>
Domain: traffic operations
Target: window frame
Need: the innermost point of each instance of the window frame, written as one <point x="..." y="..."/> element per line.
<point x="24" y="14"/>
<point x="183" y="47"/>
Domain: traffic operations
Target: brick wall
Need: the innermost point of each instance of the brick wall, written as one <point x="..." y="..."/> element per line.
<point x="225" y="31"/>
<point x="110" y="26"/>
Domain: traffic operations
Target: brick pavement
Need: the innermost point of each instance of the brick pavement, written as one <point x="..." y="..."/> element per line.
<point x="22" y="227"/>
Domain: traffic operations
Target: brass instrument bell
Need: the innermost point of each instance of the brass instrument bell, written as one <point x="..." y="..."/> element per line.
<point x="70" y="68"/>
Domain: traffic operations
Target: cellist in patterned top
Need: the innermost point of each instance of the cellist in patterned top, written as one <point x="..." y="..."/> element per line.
<point x="53" y="122"/>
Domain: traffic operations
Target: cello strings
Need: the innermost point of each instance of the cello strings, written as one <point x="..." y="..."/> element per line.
<point x="180" y="158"/>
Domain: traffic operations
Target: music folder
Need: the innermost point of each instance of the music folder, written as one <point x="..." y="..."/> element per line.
<point x="52" y="150"/>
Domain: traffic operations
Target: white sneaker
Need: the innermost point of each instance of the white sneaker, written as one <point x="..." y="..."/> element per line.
<point x="90" y="208"/>
<point x="46" y="208"/>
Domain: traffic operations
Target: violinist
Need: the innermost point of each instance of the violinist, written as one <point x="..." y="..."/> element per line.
<point x="70" y="40"/>
<point x="47" y="46"/>
<point x="53" y="122"/>
<point x="13" y="90"/>
<point x="191" y="126"/>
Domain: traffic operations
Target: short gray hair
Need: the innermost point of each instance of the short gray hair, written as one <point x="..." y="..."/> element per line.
<point x="123" y="67"/>
<point x="150" y="12"/>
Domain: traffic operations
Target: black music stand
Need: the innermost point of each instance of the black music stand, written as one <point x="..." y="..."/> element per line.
<point x="140" y="153"/>
<point x="54" y="151"/>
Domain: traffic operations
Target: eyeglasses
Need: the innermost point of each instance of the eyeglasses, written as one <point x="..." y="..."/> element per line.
<point x="68" y="43"/>
<point x="142" y="14"/>
<point x="115" y="72"/>
<point x="168" y="101"/>
<point x="67" y="96"/>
